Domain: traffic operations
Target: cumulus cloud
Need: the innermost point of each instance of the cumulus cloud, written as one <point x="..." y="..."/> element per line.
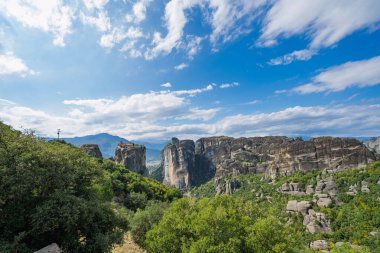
<point x="324" y="22"/>
<point x="351" y="74"/>
<point x="11" y="65"/>
<point x="167" y="85"/>
<point x="51" y="16"/>
<point x="95" y="4"/>
<point x="138" y="13"/>
<point x="140" y="117"/>
<point x="181" y="66"/>
<point x="101" y="21"/>
<point x="300" y="55"/>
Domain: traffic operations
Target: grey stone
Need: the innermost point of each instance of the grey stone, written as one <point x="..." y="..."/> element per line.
<point x="52" y="248"/>
<point x="320" y="245"/>
<point x="365" y="187"/>
<point x="324" y="202"/>
<point x="132" y="156"/>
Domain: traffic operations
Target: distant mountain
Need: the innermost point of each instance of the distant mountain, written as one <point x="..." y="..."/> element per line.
<point x="107" y="144"/>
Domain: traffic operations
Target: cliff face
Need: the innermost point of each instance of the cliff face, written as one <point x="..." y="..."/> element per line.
<point x="178" y="161"/>
<point x="374" y="145"/>
<point x="92" y="150"/>
<point x="273" y="155"/>
<point x="132" y="156"/>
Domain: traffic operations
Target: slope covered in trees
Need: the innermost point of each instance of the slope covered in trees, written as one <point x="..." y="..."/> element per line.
<point x="54" y="192"/>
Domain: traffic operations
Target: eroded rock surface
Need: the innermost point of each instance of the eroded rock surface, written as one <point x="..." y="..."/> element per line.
<point x="320" y="245"/>
<point x="272" y="155"/>
<point x="374" y="144"/>
<point x="52" y="248"/>
<point x="178" y="159"/>
<point x="92" y="150"/>
<point x="132" y="156"/>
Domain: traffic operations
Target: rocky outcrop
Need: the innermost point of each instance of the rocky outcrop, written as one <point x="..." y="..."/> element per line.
<point x="132" y="156"/>
<point x="374" y="145"/>
<point x="178" y="159"/>
<point x="227" y="186"/>
<point x="292" y="188"/>
<point x="92" y="150"/>
<point x="314" y="222"/>
<point x="272" y="155"/>
<point x="320" y="245"/>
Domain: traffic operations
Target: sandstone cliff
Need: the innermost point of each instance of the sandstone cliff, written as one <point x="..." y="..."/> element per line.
<point x="178" y="162"/>
<point x="132" y="156"/>
<point x="92" y="150"/>
<point x="273" y="156"/>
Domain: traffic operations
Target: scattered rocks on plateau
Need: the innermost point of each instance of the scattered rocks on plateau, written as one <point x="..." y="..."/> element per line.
<point x="92" y="150"/>
<point x="320" y="245"/>
<point x="310" y="189"/>
<point x="316" y="222"/>
<point x="295" y="206"/>
<point x="132" y="156"/>
<point x="324" y="202"/>
<point x="52" y="248"/>
<point x="292" y="189"/>
<point x="352" y="191"/>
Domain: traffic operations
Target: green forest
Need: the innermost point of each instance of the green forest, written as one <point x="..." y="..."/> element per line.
<point x="53" y="192"/>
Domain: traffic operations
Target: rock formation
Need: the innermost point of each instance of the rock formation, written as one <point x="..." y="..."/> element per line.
<point x="92" y="150"/>
<point x="320" y="245"/>
<point x="52" y="248"/>
<point x="178" y="161"/>
<point x="272" y="155"/>
<point x="374" y="145"/>
<point x="132" y="156"/>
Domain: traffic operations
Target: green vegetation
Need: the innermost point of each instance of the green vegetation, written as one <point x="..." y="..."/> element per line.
<point x="54" y="192"/>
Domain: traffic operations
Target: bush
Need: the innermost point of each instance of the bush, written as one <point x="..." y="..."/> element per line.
<point x="144" y="219"/>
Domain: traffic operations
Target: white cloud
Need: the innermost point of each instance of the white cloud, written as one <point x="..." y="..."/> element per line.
<point x="193" y="46"/>
<point x="51" y="16"/>
<point x="181" y="66"/>
<point x="11" y="65"/>
<point x="149" y="121"/>
<point x="229" y="85"/>
<point x="226" y="18"/>
<point x="325" y="22"/>
<point x="167" y="85"/>
<point x="95" y="4"/>
<point x="175" y="20"/>
<point x="109" y="40"/>
<point x="101" y="22"/>
<point x="351" y="74"/>
<point x="300" y="55"/>
<point x="138" y="11"/>
<point x="193" y="92"/>
<point x="202" y="114"/>
<point x="253" y="102"/>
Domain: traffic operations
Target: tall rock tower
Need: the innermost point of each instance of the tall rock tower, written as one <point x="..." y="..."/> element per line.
<point x="132" y="156"/>
<point x="178" y="161"/>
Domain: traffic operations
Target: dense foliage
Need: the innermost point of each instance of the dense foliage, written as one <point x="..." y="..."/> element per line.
<point x="54" y="192"/>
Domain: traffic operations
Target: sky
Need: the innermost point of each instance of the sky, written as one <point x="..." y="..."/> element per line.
<point x="152" y="69"/>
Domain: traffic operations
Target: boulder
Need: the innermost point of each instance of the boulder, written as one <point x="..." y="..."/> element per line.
<point x="227" y="186"/>
<point x="52" y="248"/>
<point x="310" y="189"/>
<point x="365" y="187"/>
<point x="320" y="245"/>
<point x="324" y="202"/>
<point x="374" y="145"/>
<point x="316" y="222"/>
<point x="302" y="206"/>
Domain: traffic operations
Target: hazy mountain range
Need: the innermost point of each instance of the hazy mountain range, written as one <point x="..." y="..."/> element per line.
<point x="107" y="144"/>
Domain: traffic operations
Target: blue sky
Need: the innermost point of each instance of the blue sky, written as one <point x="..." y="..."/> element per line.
<point x="150" y="70"/>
